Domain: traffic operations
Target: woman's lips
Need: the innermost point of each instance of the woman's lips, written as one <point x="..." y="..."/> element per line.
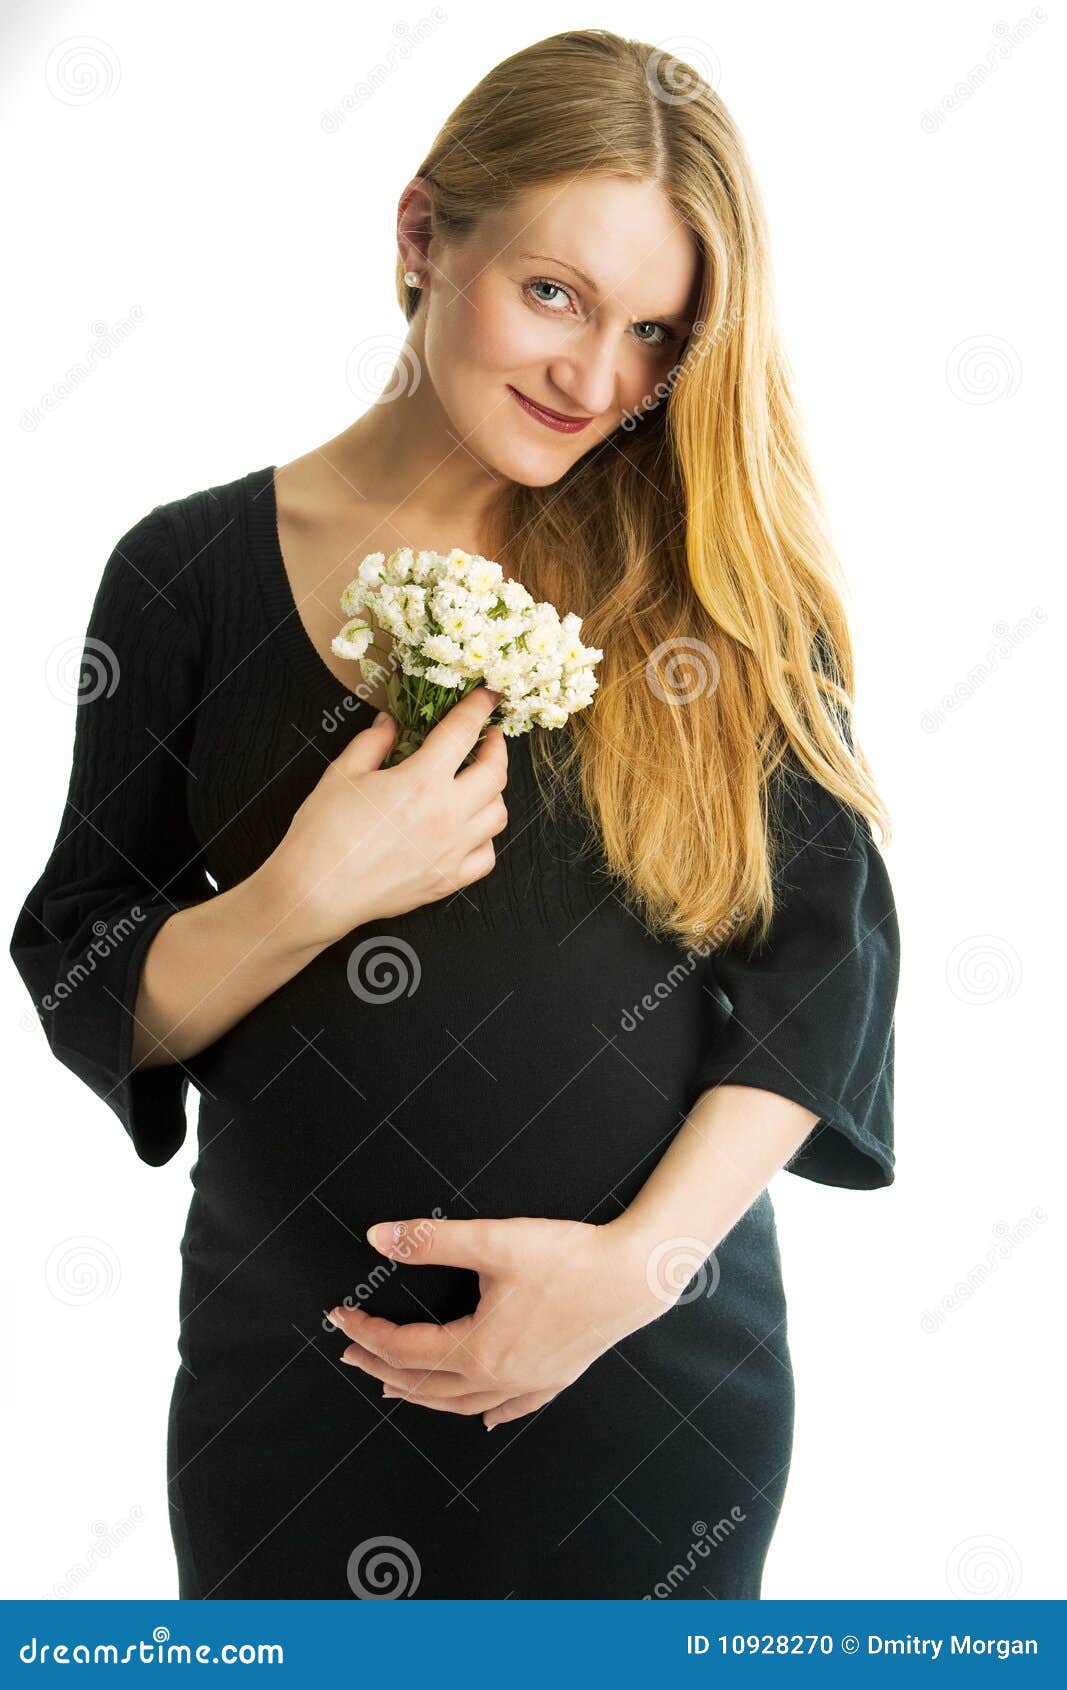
<point x="551" y="419"/>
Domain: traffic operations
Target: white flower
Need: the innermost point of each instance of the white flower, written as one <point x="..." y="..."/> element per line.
<point x="353" y="639"/>
<point x="455" y="620"/>
<point x="354" y="598"/>
<point x="455" y="564"/>
<point x="484" y="576"/>
<point x="442" y="677"/>
<point x="441" y="649"/>
<point x="515" y="596"/>
<point x="370" y="570"/>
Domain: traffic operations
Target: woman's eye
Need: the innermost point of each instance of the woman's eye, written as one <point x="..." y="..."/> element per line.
<point x="553" y="287"/>
<point x="665" y="334"/>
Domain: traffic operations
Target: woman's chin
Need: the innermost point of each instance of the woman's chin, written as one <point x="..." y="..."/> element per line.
<point x="520" y="462"/>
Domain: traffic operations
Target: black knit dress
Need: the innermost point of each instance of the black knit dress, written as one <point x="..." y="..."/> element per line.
<point x="524" y="1047"/>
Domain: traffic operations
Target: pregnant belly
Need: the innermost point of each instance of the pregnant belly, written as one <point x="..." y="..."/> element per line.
<point x="411" y="1073"/>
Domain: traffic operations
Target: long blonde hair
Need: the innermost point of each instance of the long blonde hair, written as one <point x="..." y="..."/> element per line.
<point x="719" y="605"/>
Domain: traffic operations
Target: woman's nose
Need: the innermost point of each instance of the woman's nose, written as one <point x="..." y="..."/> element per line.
<point x="587" y="375"/>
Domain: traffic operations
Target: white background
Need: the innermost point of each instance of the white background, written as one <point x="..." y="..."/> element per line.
<point x="190" y="206"/>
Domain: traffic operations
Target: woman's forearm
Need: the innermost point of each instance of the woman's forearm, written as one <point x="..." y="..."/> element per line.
<point x="212" y="963"/>
<point x="732" y="1143"/>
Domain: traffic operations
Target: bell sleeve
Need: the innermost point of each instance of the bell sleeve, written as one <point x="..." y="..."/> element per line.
<point x="125" y="857"/>
<point x="810" y="1014"/>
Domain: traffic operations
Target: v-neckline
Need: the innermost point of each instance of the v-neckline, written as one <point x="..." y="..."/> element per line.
<point x="287" y="626"/>
<point x="279" y="600"/>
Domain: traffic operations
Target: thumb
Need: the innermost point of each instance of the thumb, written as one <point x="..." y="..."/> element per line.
<point x="367" y="748"/>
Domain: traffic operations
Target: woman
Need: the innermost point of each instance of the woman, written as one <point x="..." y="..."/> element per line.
<point x="551" y="1050"/>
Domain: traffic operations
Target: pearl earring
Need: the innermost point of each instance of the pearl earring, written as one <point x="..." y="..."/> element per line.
<point x="411" y="278"/>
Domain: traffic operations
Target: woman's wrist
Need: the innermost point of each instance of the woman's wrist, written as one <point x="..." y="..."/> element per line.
<point x="636" y="1250"/>
<point x="285" y="917"/>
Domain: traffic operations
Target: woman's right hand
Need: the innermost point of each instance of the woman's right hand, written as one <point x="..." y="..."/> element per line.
<point x="369" y="842"/>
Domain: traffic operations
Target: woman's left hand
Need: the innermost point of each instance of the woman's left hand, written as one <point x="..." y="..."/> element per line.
<point x="554" y="1296"/>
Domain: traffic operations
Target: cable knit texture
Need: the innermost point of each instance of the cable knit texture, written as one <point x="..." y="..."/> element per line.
<point x="524" y="1047"/>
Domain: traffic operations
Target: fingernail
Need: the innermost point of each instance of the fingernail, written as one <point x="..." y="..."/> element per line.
<point x="382" y="716"/>
<point x="491" y="1426"/>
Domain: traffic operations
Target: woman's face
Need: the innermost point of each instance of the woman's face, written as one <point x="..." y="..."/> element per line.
<point x="579" y="298"/>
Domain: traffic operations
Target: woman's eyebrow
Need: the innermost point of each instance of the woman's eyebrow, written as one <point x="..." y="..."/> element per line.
<point x="547" y="258"/>
<point x="564" y="264"/>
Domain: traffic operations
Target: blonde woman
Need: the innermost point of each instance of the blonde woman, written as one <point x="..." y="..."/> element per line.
<point x="499" y="1047"/>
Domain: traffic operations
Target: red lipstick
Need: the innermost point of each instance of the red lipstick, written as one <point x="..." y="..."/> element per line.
<point x="551" y="419"/>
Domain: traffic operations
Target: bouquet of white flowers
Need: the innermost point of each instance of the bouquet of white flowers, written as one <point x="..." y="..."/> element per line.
<point x="457" y="624"/>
